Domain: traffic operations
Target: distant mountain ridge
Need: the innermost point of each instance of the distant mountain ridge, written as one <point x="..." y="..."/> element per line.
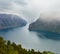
<point x="11" y="21"/>
<point x="45" y="25"/>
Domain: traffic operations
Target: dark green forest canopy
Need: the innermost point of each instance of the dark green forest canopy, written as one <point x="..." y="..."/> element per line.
<point x="6" y="47"/>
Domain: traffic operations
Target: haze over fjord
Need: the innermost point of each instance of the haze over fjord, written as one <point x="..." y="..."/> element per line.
<point x="31" y="9"/>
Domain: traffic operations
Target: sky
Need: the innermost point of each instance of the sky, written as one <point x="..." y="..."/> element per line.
<point x="30" y="9"/>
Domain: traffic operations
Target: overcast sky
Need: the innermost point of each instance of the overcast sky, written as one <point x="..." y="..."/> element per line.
<point x="30" y="9"/>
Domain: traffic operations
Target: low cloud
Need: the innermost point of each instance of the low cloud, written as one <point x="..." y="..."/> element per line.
<point x="30" y="9"/>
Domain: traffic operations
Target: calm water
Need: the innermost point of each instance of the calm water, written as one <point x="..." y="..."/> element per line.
<point x="36" y="40"/>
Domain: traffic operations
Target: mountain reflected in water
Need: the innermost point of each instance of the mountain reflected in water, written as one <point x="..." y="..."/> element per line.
<point x="48" y="35"/>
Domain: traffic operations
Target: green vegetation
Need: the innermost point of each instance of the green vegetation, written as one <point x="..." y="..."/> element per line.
<point x="6" y="47"/>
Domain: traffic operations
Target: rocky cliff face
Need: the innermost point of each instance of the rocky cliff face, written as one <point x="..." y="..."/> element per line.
<point x="11" y="21"/>
<point x="45" y="25"/>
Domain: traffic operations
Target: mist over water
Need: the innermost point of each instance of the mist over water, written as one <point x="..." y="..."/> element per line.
<point x="31" y="10"/>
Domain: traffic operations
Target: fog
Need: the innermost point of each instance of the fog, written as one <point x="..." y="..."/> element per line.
<point x="31" y="9"/>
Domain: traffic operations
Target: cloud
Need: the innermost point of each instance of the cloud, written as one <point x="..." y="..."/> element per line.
<point x="11" y="6"/>
<point x="30" y="9"/>
<point x="5" y="4"/>
<point x="35" y="8"/>
<point x="21" y="2"/>
<point x="8" y="4"/>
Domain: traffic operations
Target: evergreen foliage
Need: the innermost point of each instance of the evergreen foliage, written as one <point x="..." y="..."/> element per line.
<point x="6" y="47"/>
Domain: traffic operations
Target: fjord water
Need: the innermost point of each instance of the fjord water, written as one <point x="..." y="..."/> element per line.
<point x="31" y="40"/>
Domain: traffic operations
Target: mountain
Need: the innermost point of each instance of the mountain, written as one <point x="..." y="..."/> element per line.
<point x="11" y="21"/>
<point x="45" y="25"/>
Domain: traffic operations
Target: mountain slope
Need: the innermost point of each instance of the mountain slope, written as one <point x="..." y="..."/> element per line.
<point x="11" y="21"/>
<point x="46" y="25"/>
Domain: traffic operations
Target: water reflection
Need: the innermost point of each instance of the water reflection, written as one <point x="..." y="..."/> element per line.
<point x="48" y="35"/>
<point x="29" y="40"/>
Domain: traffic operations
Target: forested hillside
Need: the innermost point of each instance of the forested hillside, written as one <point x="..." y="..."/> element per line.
<point x="7" y="47"/>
